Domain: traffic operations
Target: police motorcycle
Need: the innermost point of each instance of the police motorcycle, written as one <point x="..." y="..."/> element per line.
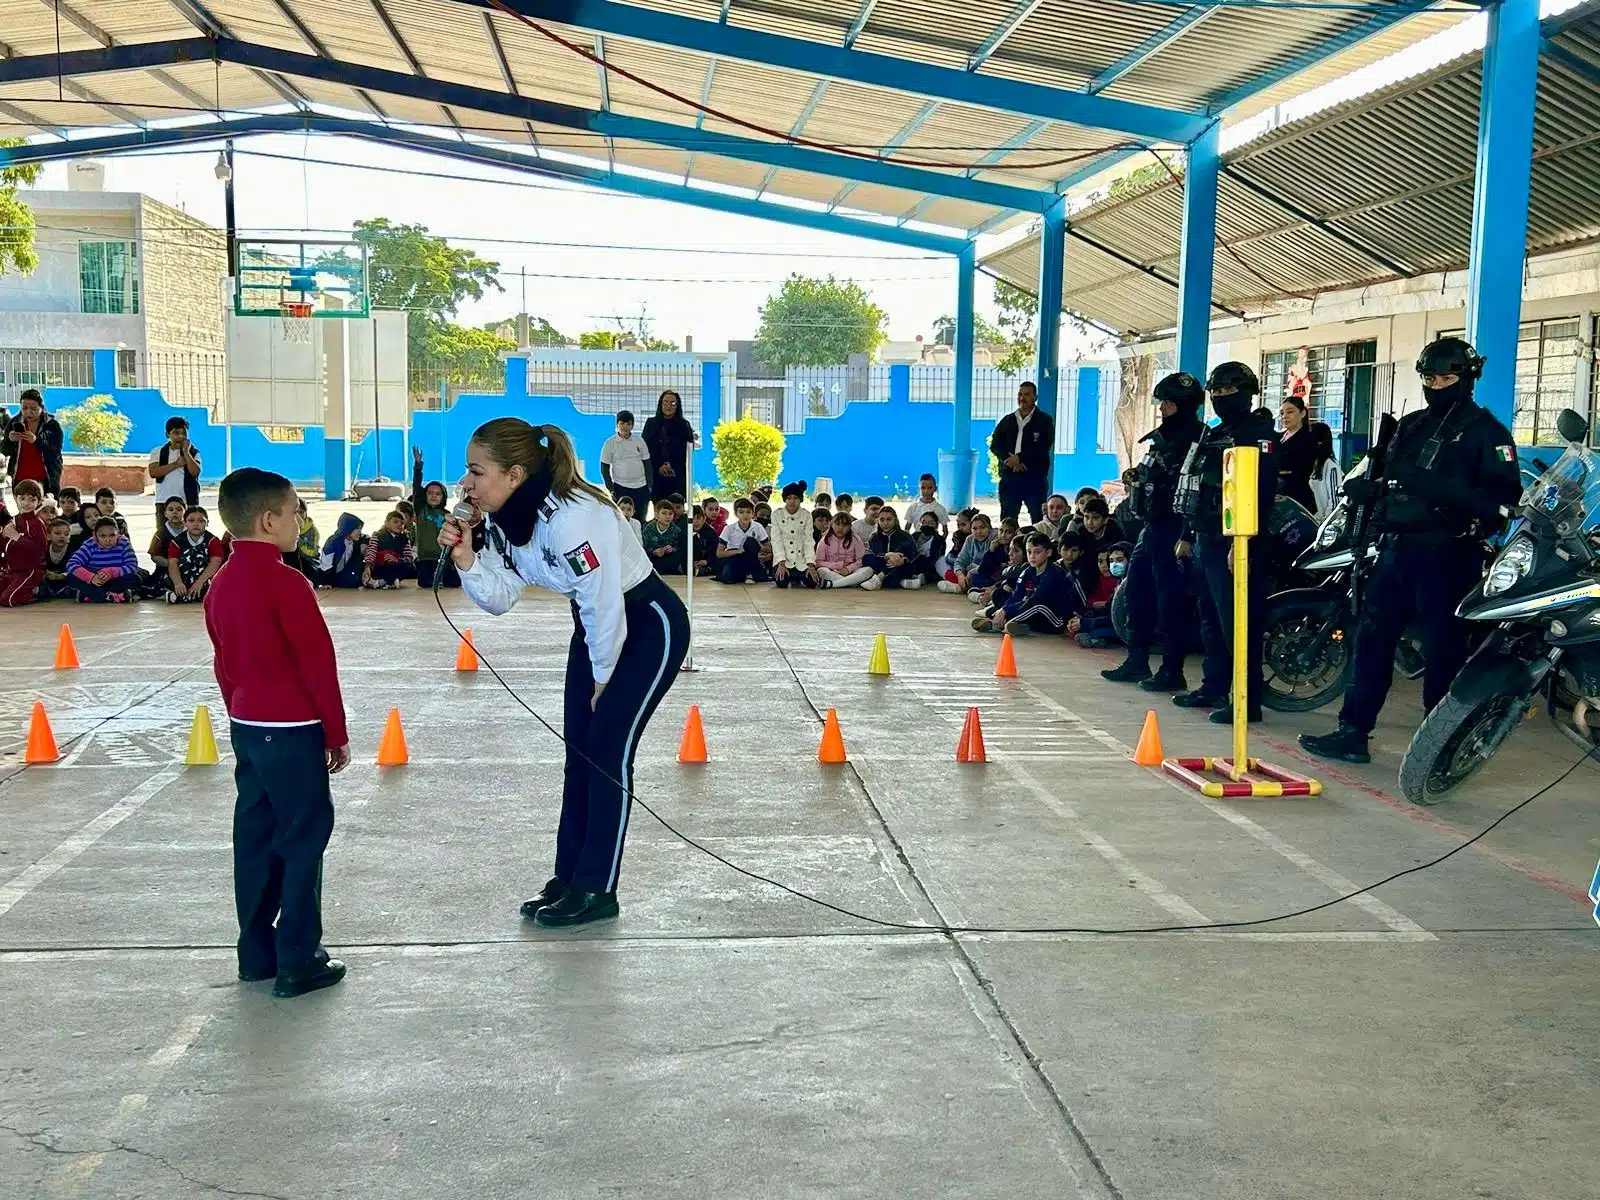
<point x="1541" y="594"/>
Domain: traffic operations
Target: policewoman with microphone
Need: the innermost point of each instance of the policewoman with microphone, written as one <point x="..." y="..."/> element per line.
<point x="548" y="526"/>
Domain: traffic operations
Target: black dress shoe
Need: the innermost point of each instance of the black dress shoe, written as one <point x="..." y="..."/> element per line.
<point x="1224" y="716"/>
<point x="577" y="908"/>
<point x="553" y="891"/>
<point x="313" y="976"/>
<point x="1199" y="698"/>
<point x="1345" y="744"/>
<point x="1129" y="672"/>
<point x="1161" y="681"/>
<point x="257" y="974"/>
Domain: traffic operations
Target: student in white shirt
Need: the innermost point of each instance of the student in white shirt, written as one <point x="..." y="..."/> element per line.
<point x="625" y="507"/>
<point x="925" y="503"/>
<point x="867" y="525"/>
<point x="739" y="548"/>
<point x="549" y="527"/>
<point x="794" y="551"/>
<point x="625" y="464"/>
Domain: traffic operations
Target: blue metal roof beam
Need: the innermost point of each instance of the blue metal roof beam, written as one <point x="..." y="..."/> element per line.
<point x="412" y="61"/>
<point x="73" y="17"/>
<point x="898" y="140"/>
<point x="1158" y="41"/>
<point x="705" y="91"/>
<point x="1002" y="31"/>
<point x="201" y="17"/>
<point x="877" y="70"/>
<point x="461" y="96"/>
<point x="491" y="156"/>
<point x="507" y="75"/>
<point x="311" y="39"/>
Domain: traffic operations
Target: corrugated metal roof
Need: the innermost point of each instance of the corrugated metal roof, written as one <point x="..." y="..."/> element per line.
<point x="1347" y="197"/>
<point x="1064" y="43"/>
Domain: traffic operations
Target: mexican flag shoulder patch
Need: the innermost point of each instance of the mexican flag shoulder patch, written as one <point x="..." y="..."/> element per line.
<point x="1506" y="453"/>
<point x="582" y="559"/>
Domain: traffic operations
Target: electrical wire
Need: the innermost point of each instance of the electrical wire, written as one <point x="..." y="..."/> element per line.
<point x="906" y="927"/>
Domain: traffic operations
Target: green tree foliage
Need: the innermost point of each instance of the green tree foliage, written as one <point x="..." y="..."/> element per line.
<point x="471" y="357"/>
<point x="985" y="332"/>
<point x="1137" y="181"/>
<point x="749" y="453"/>
<point x="540" y="331"/>
<point x="598" y="339"/>
<point x="16" y="218"/>
<point x="1019" y="311"/>
<point x="95" y="426"/>
<point x="818" y="323"/>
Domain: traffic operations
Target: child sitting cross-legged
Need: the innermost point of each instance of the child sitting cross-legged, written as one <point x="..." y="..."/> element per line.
<point x="739" y="548"/>
<point x="839" y="556"/>
<point x="389" y="557"/>
<point x="663" y="539"/>
<point x="930" y="547"/>
<point x="24" y="538"/>
<point x="1095" y="630"/>
<point x="1043" y="600"/>
<point x="170" y="527"/>
<point x="341" y="563"/>
<point x="891" y="554"/>
<point x="104" y="569"/>
<point x="994" y="561"/>
<point x="57" y="554"/>
<point x="979" y="541"/>
<point x="193" y="557"/>
<point x="994" y="598"/>
<point x="705" y="543"/>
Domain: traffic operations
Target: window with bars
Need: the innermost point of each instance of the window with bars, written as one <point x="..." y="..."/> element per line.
<point x="1547" y="376"/>
<point x="1325" y="366"/>
<point x="108" y="276"/>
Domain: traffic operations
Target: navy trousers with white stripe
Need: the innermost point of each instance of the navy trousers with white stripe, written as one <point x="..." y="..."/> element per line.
<point x="594" y="799"/>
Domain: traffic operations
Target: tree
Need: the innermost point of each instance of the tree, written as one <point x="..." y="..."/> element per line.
<point x="985" y="333"/>
<point x="749" y="453"/>
<point x="597" y="339"/>
<point x="470" y="356"/>
<point x="1019" y="310"/>
<point x="818" y="323"/>
<point x="540" y="331"/>
<point x="409" y="268"/>
<point x="95" y="426"/>
<point x="1138" y="181"/>
<point x="16" y="218"/>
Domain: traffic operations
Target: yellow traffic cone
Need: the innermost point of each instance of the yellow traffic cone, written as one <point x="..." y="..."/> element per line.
<point x="879" y="663"/>
<point x="202" y="742"/>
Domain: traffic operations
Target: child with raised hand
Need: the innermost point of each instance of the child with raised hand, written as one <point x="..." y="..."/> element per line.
<point x="193" y="558"/>
<point x="839" y="556"/>
<point x="389" y="557"/>
<point x="891" y="554"/>
<point x="280" y="682"/>
<point x="103" y="569"/>
<point x="24" y="539"/>
<point x="429" y="509"/>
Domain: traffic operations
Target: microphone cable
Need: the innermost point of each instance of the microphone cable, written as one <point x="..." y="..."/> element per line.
<point x="906" y="927"/>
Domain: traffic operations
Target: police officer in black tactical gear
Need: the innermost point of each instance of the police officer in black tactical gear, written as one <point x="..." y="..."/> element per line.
<point x="1155" y="580"/>
<point x="1449" y="476"/>
<point x="1233" y="388"/>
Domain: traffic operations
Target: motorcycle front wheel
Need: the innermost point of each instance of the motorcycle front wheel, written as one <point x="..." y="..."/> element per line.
<point x="1298" y="673"/>
<point x="1453" y="741"/>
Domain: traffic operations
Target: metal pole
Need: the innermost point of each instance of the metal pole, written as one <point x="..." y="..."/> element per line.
<point x="1241" y="657"/>
<point x="377" y="417"/>
<point x="233" y="268"/>
<point x="688" y="554"/>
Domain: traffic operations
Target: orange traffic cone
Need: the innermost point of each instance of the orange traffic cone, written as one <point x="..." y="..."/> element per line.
<point x="66" y="652"/>
<point x="392" y="750"/>
<point x="1006" y="666"/>
<point x="832" y="748"/>
<point x="41" y="741"/>
<point x="1148" y="753"/>
<point x="466" y="657"/>
<point x="692" y="746"/>
<point x="970" y="748"/>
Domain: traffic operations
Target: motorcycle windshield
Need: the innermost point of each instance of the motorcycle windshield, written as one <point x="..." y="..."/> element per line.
<point x="1567" y="495"/>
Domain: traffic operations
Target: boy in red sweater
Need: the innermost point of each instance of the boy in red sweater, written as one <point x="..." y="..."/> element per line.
<point x="280" y="682"/>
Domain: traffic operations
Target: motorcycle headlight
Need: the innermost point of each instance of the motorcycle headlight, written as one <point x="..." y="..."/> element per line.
<point x="1509" y="566"/>
<point x="1333" y="528"/>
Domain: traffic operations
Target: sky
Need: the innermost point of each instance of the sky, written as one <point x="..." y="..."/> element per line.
<point x="704" y="274"/>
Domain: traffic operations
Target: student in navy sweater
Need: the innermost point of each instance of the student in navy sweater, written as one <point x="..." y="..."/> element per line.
<point x="892" y="554"/>
<point x="280" y="683"/>
<point x="1044" y="599"/>
<point x="104" y="569"/>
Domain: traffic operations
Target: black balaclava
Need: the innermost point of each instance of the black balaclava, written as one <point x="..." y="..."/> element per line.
<point x="517" y="515"/>
<point x="1233" y="407"/>
<point x="1442" y="400"/>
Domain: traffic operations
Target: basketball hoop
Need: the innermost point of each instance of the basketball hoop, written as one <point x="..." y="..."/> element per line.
<point x="295" y="317"/>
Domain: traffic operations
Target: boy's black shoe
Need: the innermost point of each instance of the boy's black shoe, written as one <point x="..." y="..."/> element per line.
<point x="1128" y="672"/>
<point x="313" y="976"/>
<point x="257" y="975"/>
<point x="1346" y="744"/>
<point x="1198" y="698"/>
<point x="1161" y="681"/>
<point x="577" y="908"/>
<point x="1224" y="716"/>
<point x="551" y="892"/>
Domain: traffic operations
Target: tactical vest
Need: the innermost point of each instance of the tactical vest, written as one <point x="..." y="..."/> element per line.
<point x="1199" y="496"/>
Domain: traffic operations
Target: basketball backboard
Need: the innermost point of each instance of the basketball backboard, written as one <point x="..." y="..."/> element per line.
<point x="274" y="277"/>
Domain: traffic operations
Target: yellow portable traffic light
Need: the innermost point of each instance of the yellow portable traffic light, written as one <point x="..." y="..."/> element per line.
<point x="1241" y="468"/>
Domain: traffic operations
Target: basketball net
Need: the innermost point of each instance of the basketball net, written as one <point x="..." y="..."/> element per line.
<point x="295" y="318"/>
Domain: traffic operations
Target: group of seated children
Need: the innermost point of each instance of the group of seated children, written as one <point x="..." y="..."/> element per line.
<point x="1059" y="577"/>
<point x="405" y="547"/>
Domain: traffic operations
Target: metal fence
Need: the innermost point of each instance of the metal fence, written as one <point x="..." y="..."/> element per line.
<point x="607" y="382"/>
<point x="23" y="369"/>
<point x="186" y="379"/>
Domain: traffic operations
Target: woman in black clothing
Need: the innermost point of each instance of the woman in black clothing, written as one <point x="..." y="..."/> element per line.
<point x="669" y="437"/>
<point x="1297" y="453"/>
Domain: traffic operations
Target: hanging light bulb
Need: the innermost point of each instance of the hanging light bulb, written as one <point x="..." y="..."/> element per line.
<point x="222" y="170"/>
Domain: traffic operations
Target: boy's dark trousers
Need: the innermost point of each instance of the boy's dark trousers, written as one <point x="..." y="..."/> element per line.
<point x="426" y="567"/>
<point x="744" y="565"/>
<point x="796" y="578"/>
<point x="640" y="497"/>
<point x="281" y="825"/>
<point x="893" y="577"/>
<point x="394" y="572"/>
<point x="668" y="564"/>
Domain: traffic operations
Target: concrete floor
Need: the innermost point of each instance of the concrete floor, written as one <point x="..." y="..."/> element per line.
<point x="722" y="1039"/>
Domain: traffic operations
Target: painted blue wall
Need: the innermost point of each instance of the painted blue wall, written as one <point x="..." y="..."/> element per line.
<point x="868" y="447"/>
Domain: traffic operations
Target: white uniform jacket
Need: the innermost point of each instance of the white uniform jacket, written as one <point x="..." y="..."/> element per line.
<point x="579" y="550"/>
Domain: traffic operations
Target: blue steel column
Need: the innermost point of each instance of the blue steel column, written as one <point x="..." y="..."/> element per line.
<point x="1052" y="263"/>
<point x="1198" y="249"/>
<point x="956" y="465"/>
<point x="1500" y="198"/>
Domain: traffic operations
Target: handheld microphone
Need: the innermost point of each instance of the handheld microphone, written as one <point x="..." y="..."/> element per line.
<point x="462" y="514"/>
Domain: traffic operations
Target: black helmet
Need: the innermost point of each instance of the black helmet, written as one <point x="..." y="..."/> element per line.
<point x="1234" y="375"/>
<point x="1450" y="356"/>
<point x="1181" y="389"/>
